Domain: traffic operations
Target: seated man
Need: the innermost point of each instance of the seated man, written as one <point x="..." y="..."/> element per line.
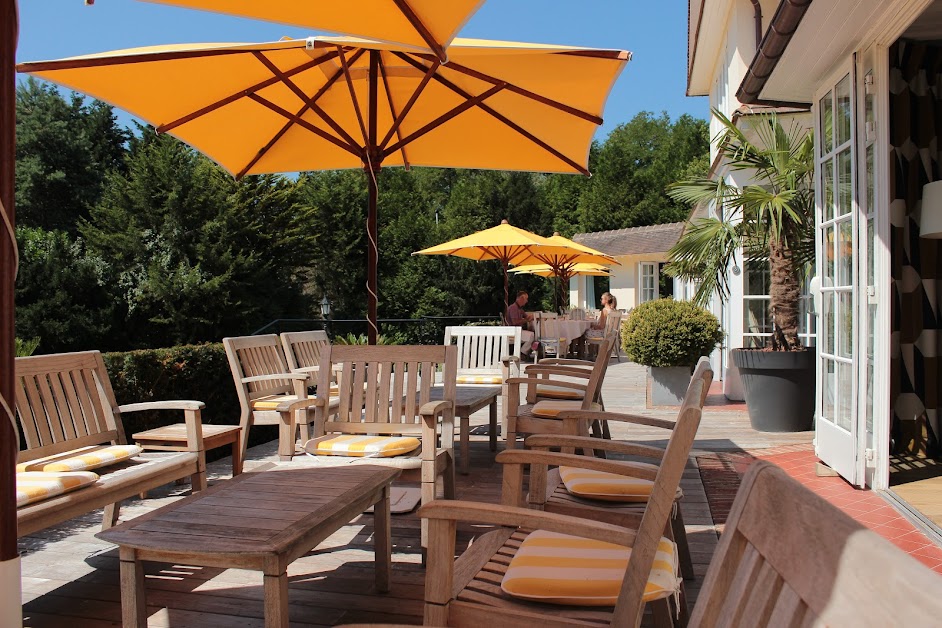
<point x="518" y="318"/>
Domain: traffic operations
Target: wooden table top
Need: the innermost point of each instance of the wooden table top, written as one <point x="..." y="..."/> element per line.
<point x="468" y="396"/>
<point x="257" y="513"/>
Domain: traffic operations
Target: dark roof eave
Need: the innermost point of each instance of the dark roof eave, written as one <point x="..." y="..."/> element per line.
<point x="783" y="26"/>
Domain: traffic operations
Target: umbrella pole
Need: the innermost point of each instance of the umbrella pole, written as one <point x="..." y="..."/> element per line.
<point x="372" y="169"/>
<point x="506" y="290"/>
<point x="10" y="609"/>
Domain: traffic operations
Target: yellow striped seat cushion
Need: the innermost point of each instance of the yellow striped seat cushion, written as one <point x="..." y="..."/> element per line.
<point x="368" y="446"/>
<point x="549" y="409"/>
<point x="605" y="486"/>
<point x="33" y="486"/>
<point x="479" y="379"/>
<point x="270" y="403"/>
<point x="90" y="459"/>
<point x="564" y="569"/>
<point x="557" y="392"/>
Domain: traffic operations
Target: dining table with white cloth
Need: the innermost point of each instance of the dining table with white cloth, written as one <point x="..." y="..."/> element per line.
<point x="566" y="330"/>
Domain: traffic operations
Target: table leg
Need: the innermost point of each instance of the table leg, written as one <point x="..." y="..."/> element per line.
<point x="236" y="455"/>
<point x="133" y="602"/>
<point x="382" y="541"/>
<point x="465" y="466"/>
<point x="276" y="600"/>
<point x="493" y="425"/>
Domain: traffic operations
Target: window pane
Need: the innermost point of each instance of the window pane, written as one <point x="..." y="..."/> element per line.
<point x="845" y="253"/>
<point x="827" y="304"/>
<point x="845" y="322"/>
<point x="827" y="123"/>
<point x="755" y="342"/>
<point x="829" y="256"/>
<point x="756" y="318"/>
<point x="842" y="108"/>
<point x="845" y="388"/>
<point x="844" y="185"/>
<point x="827" y="390"/>
<point x="827" y="173"/>
<point x="757" y="278"/>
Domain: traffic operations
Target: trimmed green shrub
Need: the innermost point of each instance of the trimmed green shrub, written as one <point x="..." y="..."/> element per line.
<point x="669" y="333"/>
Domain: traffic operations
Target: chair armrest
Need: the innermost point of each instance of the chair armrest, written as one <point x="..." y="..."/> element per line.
<point x="507" y="359"/>
<point x="539" y="441"/>
<point x="548" y="369"/>
<point x="499" y="514"/>
<point x="274" y="376"/>
<point x="597" y="415"/>
<point x="567" y="362"/>
<point x="641" y="470"/>
<point x="177" y="404"/>
<point x="297" y="404"/>
<point x="432" y="408"/>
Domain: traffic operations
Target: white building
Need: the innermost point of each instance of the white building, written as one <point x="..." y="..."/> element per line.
<point x="871" y="73"/>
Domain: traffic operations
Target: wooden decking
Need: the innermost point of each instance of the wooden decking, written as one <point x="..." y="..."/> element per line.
<point x="70" y="578"/>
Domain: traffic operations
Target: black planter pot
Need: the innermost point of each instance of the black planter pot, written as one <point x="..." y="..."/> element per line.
<point x="779" y="387"/>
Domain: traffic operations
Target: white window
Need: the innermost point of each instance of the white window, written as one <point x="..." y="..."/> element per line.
<point x="648" y="282"/>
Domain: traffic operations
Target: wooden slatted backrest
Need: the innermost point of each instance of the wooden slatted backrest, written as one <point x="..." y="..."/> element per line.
<point x="659" y="506"/>
<point x="252" y="356"/>
<point x="65" y="401"/>
<point x="480" y="349"/>
<point x="384" y="384"/>
<point x="303" y="348"/>
<point x="612" y="321"/>
<point x="594" y="385"/>
<point x="789" y="558"/>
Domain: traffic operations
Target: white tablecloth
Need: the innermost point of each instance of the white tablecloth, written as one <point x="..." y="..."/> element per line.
<point x="561" y="328"/>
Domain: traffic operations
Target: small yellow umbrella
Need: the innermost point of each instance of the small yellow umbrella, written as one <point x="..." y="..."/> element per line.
<point x="425" y="25"/>
<point x="563" y="274"/>
<point x="328" y="103"/>
<point x="505" y="243"/>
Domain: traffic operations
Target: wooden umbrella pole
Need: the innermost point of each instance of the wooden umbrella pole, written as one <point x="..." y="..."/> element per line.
<point x="374" y="160"/>
<point x="506" y="289"/>
<point x="8" y="441"/>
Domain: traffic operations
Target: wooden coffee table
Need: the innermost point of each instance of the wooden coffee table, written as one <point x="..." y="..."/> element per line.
<point x="468" y="400"/>
<point x="258" y="520"/>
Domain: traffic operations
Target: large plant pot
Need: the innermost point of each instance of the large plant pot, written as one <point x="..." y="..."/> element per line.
<point x="779" y="388"/>
<point x="668" y="384"/>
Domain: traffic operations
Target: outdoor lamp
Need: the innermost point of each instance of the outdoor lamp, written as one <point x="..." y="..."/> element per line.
<point x="325" y="307"/>
<point x="931" y="223"/>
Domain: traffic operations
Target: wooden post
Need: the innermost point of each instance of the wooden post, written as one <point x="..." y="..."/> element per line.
<point x="8" y="444"/>
<point x="372" y="170"/>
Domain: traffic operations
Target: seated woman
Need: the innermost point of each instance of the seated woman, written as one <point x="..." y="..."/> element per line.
<point x="609" y="304"/>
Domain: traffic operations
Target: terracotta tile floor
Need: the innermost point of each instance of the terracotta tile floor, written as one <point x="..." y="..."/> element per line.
<point x="721" y="473"/>
<point x="716" y="400"/>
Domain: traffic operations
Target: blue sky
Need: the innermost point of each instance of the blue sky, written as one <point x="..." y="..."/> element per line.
<point x="655" y="32"/>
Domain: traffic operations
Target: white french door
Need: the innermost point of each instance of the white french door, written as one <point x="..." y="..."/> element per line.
<point x="838" y="223"/>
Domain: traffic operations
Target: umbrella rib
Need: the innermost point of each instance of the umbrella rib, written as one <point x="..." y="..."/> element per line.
<point x="471" y="102"/>
<point x="421" y="29"/>
<point x="165" y="128"/>
<point x="304" y="98"/>
<point x="394" y="129"/>
<point x="304" y="123"/>
<point x="502" y="118"/>
<point x="94" y="62"/>
<point x="270" y="143"/>
<point x="353" y="98"/>
<point x="594" y="119"/>
<point x="392" y="110"/>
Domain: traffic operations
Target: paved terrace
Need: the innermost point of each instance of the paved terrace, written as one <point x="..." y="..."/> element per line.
<point x="71" y="578"/>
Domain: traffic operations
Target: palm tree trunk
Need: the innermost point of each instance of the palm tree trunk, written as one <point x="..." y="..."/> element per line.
<point x="784" y="296"/>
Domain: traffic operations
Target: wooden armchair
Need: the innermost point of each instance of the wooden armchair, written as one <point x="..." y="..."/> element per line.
<point x="616" y="499"/>
<point x="303" y="350"/>
<point x="612" y="328"/>
<point x="473" y="590"/>
<point x="389" y="413"/>
<point x="540" y="415"/>
<point x="269" y="393"/>
<point x="789" y="558"/>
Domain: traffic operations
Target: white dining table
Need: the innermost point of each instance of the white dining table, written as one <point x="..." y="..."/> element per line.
<point x="570" y="330"/>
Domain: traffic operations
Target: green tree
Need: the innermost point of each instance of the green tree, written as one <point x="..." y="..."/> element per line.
<point x="62" y="295"/>
<point x="64" y="150"/>
<point x="634" y="166"/>
<point x="196" y="254"/>
<point x="772" y="219"/>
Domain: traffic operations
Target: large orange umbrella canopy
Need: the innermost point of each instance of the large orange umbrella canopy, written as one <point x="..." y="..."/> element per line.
<point x="428" y="25"/>
<point x="326" y="103"/>
<point x="545" y="270"/>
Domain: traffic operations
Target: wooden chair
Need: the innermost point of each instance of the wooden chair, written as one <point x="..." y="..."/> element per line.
<point x="487" y="355"/>
<point x="612" y="328"/>
<point x="467" y="591"/>
<point x="527" y="419"/>
<point x="388" y="391"/>
<point x="269" y="393"/>
<point x="789" y="558"/>
<point x="549" y="493"/>
<point x="303" y="350"/>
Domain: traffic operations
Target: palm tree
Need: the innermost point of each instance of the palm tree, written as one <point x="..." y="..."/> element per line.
<point x="772" y="219"/>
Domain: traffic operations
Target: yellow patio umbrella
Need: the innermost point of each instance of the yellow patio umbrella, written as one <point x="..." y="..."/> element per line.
<point x="424" y="25"/>
<point x="505" y="243"/>
<point x="326" y="103"/>
<point x="563" y="273"/>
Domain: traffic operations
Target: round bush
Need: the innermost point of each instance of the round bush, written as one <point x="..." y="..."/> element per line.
<point x="669" y="333"/>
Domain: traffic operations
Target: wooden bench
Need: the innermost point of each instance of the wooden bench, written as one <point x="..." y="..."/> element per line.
<point x="65" y="406"/>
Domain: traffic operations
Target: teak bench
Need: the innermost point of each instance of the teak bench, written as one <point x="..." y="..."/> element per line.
<point x="65" y="406"/>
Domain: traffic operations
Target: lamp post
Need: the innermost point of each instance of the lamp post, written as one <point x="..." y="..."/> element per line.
<point x="325" y="313"/>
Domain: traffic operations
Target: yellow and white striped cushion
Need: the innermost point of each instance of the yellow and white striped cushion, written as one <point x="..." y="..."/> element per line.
<point x="564" y="569"/>
<point x="557" y="392"/>
<point x="549" y="409"/>
<point x="479" y="379"/>
<point x="605" y="486"/>
<point x="270" y="403"/>
<point x="368" y="446"/>
<point x="91" y="459"/>
<point x="33" y="486"/>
